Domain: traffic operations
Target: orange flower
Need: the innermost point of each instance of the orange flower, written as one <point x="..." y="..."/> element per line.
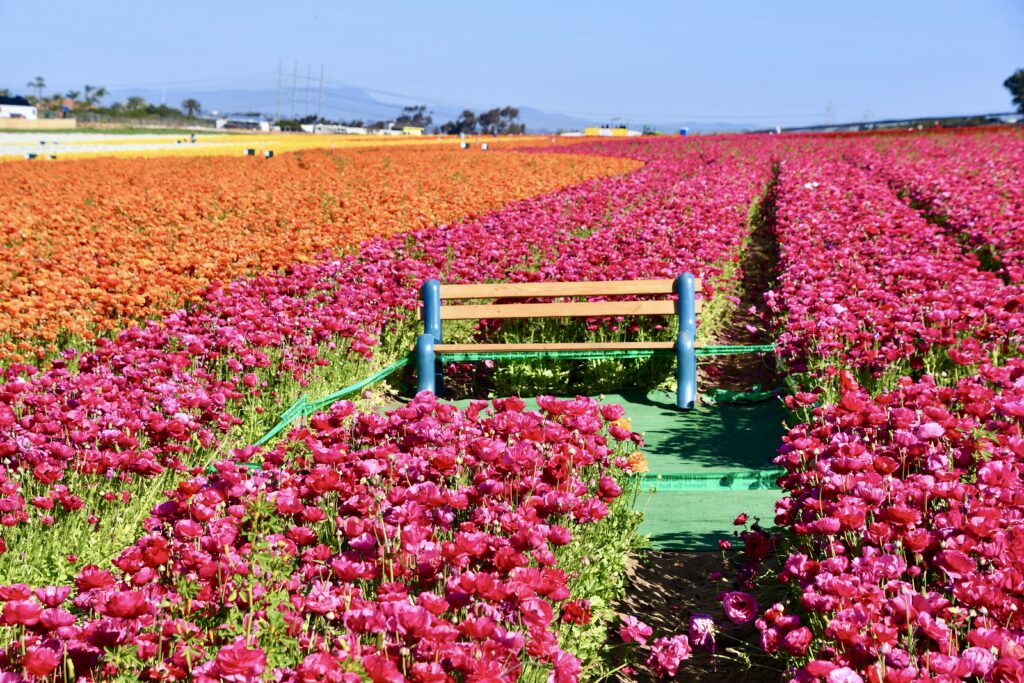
<point x="623" y="423"/>
<point x="638" y="463"/>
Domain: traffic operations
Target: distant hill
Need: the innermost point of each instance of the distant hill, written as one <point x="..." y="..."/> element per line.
<point x="347" y="103"/>
<point x="350" y="103"/>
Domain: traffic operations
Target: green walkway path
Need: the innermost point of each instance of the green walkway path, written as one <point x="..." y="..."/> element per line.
<point x="706" y="466"/>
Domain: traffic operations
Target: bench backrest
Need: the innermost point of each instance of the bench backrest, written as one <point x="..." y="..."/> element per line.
<point x="569" y="309"/>
<point x="685" y="306"/>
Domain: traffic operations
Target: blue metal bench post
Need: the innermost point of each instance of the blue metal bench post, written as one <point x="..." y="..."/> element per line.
<point x="427" y="366"/>
<point x="686" y="357"/>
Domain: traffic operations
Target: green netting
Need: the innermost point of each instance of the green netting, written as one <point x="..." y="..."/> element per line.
<point x="321" y="403"/>
<point x="598" y="354"/>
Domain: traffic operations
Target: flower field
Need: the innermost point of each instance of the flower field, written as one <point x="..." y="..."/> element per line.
<point x="91" y="246"/>
<point x="145" y="538"/>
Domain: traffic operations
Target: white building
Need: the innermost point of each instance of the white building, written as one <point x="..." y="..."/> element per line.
<point x="17" y="108"/>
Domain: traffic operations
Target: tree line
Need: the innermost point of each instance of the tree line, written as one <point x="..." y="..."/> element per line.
<point x="89" y="99"/>
<point x="497" y="121"/>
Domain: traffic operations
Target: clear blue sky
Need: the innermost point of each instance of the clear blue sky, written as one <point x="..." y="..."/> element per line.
<point x="747" y="61"/>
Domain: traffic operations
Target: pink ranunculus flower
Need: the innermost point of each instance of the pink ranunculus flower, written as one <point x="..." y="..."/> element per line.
<point x="702" y="631"/>
<point x="238" y="663"/>
<point x="980" y="660"/>
<point x="321" y="667"/>
<point x="633" y="630"/>
<point x="740" y="607"/>
<point x="667" y="654"/>
<point x="566" y="669"/>
<point x="844" y="674"/>
<point x="40" y="661"/>
<point x="931" y="430"/>
<point x="796" y="642"/>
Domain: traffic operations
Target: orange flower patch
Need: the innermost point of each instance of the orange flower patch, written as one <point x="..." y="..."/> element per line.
<point x="88" y="246"/>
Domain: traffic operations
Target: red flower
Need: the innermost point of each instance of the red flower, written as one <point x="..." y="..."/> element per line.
<point x="127" y="604"/>
<point x="22" y="612"/>
<point x="576" y="612"/>
<point x="40" y="661"/>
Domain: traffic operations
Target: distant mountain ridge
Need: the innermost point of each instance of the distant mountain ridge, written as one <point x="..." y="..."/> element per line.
<point x="346" y="103"/>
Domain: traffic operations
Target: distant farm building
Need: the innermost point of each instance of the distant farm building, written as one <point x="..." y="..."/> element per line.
<point x="17" y="108"/>
<point x="611" y="132"/>
<point x="412" y="130"/>
<point x="332" y="129"/>
<point x="242" y="124"/>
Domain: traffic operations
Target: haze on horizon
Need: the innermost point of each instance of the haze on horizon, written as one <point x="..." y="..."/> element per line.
<point x="794" y="63"/>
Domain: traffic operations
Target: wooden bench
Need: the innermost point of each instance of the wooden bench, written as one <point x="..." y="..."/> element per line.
<point x="430" y="345"/>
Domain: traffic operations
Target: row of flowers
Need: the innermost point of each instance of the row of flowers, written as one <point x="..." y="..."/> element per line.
<point x="419" y="545"/>
<point x="902" y="507"/>
<point x="909" y="517"/>
<point x="972" y="184"/>
<point x="867" y="283"/>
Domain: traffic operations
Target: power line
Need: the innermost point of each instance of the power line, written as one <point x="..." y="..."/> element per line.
<point x="278" y="114"/>
<point x="295" y="80"/>
<point x="320" y="107"/>
<point x="309" y="84"/>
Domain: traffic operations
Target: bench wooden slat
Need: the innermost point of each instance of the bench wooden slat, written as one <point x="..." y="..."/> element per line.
<point x="574" y="309"/>
<point x="501" y="290"/>
<point x="556" y="346"/>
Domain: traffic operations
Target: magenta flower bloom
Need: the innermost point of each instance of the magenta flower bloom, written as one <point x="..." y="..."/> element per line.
<point x="667" y="654"/>
<point x="238" y="663"/>
<point x="633" y="630"/>
<point x="25" y="612"/>
<point x="740" y="608"/>
<point x="566" y="669"/>
<point x="40" y="661"/>
<point x="844" y="674"/>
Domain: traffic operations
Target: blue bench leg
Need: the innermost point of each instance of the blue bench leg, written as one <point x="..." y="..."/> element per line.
<point x="686" y="357"/>
<point x="426" y="364"/>
<point x="686" y="373"/>
<point x="431" y="293"/>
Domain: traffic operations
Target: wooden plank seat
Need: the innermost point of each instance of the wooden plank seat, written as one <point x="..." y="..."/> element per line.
<point x="430" y="345"/>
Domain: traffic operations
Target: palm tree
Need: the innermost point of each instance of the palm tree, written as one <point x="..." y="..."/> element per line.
<point x="135" y="103"/>
<point x="72" y="94"/>
<point x="39" y="83"/>
<point x="191" y="107"/>
<point x="93" y="93"/>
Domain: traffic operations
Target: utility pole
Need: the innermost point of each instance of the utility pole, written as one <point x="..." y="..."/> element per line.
<point x="277" y="117"/>
<point x="309" y="84"/>
<point x="295" y="82"/>
<point x="320" y="107"/>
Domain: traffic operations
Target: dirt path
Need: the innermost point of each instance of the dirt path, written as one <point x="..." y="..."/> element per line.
<point x="666" y="588"/>
<point x="742" y="372"/>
